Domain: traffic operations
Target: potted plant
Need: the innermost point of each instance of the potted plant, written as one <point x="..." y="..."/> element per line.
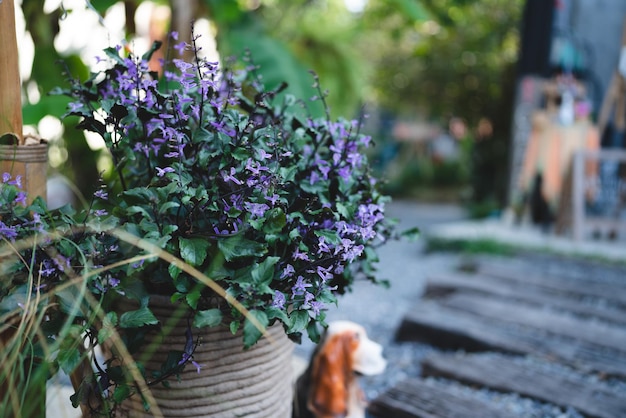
<point x="230" y="221"/>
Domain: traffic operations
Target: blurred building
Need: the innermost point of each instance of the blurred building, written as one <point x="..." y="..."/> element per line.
<point x="567" y="82"/>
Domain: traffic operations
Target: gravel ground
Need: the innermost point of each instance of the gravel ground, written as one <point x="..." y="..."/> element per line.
<point x="406" y="265"/>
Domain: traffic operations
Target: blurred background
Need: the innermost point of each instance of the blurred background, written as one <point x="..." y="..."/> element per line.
<point x="481" y="103"/>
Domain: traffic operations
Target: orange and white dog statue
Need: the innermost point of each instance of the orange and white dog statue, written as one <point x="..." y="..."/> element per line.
<point x="329" y="387"/>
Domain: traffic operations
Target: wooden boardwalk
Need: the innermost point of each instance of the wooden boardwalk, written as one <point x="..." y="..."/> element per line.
<point x="517" y="328"/>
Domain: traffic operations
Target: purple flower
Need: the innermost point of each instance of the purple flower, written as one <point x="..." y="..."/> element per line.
<point x="6" y="177"/>
<point x="100" y="212"/>
<point x="316" y="307"/>
<point x="7" y="232"/>
<point x="180" y="47"/>
<point x="344" y="172"/>
<point x="308" y="297"/>
<point x="46" y="268"/>
<point x="288" y="271"/>
<point x="17" y="182"/>
<point x="138" y="264"/>
<point x="314" y="178"/>
<point x="231" y="177"/>
<point x="299" y="288"/>
<point x="264" y="155"/>
<point x="75" y="106"/>
<point x="101" y="194"/>
<point x="21" y="198"/>
<point x="257" y="209"/>
<point x="322" y="247"/>
<point x="324" y="273"/>
<point x="279" y="300"/>
<point x="299" y="255"/>
<point x="162" y="171"/>
<point x="61" y="262"/>
<point x="188" y="358"/>
<point x="272" y="199"/>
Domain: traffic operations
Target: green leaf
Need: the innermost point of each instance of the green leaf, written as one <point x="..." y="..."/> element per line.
<point x="108" y="327"/>
<point x="238" y="246"/>
<point x="288" y="173"/>
<point x="192" y="298"/>
<point x="174" y="271"/>
<point x="121" y="392"/>
<point x="411" y="234"/>
<point x="275" y="221"/>
<point x="251" y="333"/>
<point x="331" y="237"/>
<point x="193" y="250"/>
<point x="69" y="358"/>
<point x="207" y="318"/>
<point x="139" y="318"/>
<point x="234" y="326"/>
<point x="299" y="321"/>
<point x="313" y="332"/>
<point x="343" y="210"/>
<point x="264" y="272"/>
<point x="275" y="313"/>
<point x="168" y="205"/>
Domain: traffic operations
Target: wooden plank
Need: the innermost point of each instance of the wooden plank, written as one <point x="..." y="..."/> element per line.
<point x="576" y="287"/>
<point x="545" y="320"/>
<point x="10" y="84"/>
<point x="415" y="398"/>
<point x="504" y="374"/>
<point x="447" y="328"/>
<point x="444" y="284"/>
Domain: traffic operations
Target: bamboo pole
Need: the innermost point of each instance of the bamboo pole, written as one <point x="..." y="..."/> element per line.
<point x="10" y="85"/>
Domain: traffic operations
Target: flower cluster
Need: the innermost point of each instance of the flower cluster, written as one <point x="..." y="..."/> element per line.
<point x="278" y="207"/>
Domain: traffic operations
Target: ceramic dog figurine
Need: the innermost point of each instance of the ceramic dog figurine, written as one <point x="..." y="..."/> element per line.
<point x="329" y="387"/>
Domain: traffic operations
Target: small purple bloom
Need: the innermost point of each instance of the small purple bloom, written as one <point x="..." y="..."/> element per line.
<point x="322" y="246"/>
<point x="324" y="273"/>
<point x="299" y="255"/>
<point x="316" y="307"/>
<point x="21" y="198"/>
<point x="299" y="288"/>
<point x="101" y="194"/>
<point x="180" y="47"/>
<point x="162" y="171"/>
<point x="7" y="232"/>
<point x="344" y="172"/>
<point x="231" y="177"/>
<point x="288" y="271"/>
<point x="308" y="297"/>
<point x="257" y="209"/>
<point x="279" y="300"/>
<point x="264" y="155"/>
<point x="17" y="182"/>
<point x="272" y="199"/>
<point x="6" y="177"/>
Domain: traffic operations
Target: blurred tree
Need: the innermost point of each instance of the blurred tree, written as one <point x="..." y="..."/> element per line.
<point x="457" y="59"/>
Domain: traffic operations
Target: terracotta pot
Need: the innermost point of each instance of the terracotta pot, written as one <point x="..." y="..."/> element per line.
<point x="232" y="382"/>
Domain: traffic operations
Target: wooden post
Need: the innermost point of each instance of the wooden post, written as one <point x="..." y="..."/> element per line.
<point x="10" y="84"/>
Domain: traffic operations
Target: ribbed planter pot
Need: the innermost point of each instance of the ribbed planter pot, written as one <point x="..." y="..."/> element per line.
<point x="28" y="161"/>
<point x="232" y="382"/>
